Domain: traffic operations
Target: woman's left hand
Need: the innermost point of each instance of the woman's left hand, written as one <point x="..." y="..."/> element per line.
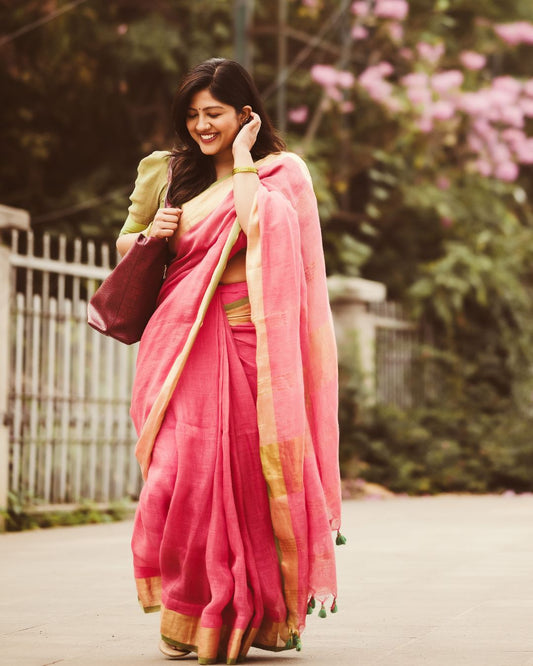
<point x="247" y="135"/>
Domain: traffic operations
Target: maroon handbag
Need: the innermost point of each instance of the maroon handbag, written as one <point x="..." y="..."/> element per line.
<point x="127" y="298"/>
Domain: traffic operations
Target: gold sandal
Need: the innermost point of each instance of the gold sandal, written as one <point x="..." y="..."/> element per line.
<point x="172" y="652"/>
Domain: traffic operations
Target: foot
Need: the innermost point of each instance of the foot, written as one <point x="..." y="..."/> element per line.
<point x="172" y="652"/>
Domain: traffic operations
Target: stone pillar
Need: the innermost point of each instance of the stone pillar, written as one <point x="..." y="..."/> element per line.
<point x="355" y="326"/>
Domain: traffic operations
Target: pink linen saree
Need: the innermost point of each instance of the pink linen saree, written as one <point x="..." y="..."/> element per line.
<point x="238" y="437"/>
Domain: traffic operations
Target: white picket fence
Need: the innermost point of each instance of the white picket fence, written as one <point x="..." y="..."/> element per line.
<point x="69" y="387"/>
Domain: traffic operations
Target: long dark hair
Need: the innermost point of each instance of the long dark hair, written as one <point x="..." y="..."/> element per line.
<point x="229" y="83"/>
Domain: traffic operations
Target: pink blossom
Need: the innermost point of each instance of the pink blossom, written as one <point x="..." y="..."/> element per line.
<point x="385" y="68"/>
<point x="513" y="137"/>
<point x="520" y="32"/>
<point x="396" y="31"/>
<point x="442" y="110"/>
<point x="444" y="81"/>
<point x="359" y="32"/>
<point x="443" y="183"/>
<point x="325" y="75"/>
<point x="506" y="171"/>
<point x="345" y="79"/>
<point x="475" y="144"/>
<point x="360" y="8"/>
<point x="507" y="84"/>
<point x="334" y="93"/>
<point x="429" y="52"/>
<point x="485" y="130"/>
<point x="393" y="104"/>
<point x="475" y="103"/>
<point x="446" y="222"/>
<point x="473" y="60"/>
<point x="524" y="151"/>
<point x="424" y="124"/>
<point x="379" y="90"/>
<point x="512" y="115"/>
<point x="331" y="79"/>
<point x="483" y="167"/>
<point x="392" y="9"/>
<point x="500" y="152"/>
<point x="122" y="29"/>
<point x="415" y="80"/>
<point x="419" y="96"/>
<point x="299" y="114"/>
<point x="375" y="73"/>
<point x="526" y="106"/>
<point x="371" y="81"/>
<point x="310" y="3"/>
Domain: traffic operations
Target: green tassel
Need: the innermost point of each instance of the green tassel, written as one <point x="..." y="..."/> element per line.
<point x="340" y="540"/>
<point x="334" y="608"/>
<point x="322" y="612"/>
<point x="309" y="609"/>
<point x="311" y="606"/>
<point x="312" y="602"/>
<point x="294" y="642"/>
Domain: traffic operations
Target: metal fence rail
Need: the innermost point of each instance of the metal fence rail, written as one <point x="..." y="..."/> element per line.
<point x="70" y="433"/>
<point x="401" y="379"/>
<point x="68" y="387"/>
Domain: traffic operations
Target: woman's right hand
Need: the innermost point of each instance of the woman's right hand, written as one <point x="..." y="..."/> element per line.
<point x="165" y="222"/>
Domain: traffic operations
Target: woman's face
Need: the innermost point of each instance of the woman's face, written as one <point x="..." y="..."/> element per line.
<point x="213" y="125"/>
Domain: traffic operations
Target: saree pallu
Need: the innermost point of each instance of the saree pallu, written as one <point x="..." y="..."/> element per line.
<point x="238" y="427"/>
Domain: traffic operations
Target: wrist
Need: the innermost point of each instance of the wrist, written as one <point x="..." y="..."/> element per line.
<point x="242" y="156"/>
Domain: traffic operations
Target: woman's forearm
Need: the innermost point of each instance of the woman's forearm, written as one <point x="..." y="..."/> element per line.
<point x="124" y="243"/>
<point x="245" y="185"/>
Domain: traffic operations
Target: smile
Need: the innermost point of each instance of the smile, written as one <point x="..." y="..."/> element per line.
<point x="207" y="138"/>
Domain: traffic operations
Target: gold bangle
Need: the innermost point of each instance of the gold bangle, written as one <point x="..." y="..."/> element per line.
<point x="244" y="170"/>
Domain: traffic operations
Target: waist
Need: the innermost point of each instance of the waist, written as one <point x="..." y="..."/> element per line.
<point x="234" y="297"/>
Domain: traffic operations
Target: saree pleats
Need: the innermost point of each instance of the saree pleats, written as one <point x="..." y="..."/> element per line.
<point x="232" y="534"/>
<point x="203" y="522"/>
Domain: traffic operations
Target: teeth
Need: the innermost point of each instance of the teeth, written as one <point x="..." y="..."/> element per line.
<point x="207" y="137"/>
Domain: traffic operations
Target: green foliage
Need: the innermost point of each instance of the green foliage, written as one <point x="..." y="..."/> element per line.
<point x="23" y="515"/>
<point x="437" y="449"/>
<point x="90" y="93"/>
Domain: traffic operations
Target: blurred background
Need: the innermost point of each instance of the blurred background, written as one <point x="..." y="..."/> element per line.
<point x="416" y="120"/>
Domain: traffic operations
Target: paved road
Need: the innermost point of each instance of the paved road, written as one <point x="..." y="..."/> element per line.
<point x="444" y="581"/>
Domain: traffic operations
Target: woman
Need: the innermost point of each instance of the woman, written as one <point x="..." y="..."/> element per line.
<point x="235" y="396"/>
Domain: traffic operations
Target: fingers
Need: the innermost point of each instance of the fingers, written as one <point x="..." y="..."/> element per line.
<point x="165" y="222"/>
<point x="248" y="133"/>
<point x="255" y="119"/>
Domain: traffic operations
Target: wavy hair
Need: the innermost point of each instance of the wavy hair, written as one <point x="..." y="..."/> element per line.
<point x="229" y="83"/>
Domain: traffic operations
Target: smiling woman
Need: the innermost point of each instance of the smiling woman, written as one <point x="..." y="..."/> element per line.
<point x="235" y="395"/>
<point x="214" y="127"/>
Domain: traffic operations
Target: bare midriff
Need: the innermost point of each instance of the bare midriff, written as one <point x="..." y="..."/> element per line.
<point x="235" y="270"/>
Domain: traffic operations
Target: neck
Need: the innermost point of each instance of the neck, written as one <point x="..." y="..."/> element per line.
<point x="223" y="164"/>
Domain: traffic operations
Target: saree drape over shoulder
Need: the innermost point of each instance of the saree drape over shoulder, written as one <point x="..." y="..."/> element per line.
<point x="237" y="424"/>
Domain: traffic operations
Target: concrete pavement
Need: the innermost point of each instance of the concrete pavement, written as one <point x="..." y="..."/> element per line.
<point x="443" y="581"/>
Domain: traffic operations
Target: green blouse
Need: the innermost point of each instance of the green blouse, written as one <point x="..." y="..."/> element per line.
<point x="149" y="192"/>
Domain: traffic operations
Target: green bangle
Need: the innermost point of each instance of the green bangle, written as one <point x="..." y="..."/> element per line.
<point x="244" y="170"/>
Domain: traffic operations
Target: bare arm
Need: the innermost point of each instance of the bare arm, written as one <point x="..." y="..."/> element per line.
<point x="164" y="226"/>
<point x="245" y="184"/>
<point x="124" y="243"/>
